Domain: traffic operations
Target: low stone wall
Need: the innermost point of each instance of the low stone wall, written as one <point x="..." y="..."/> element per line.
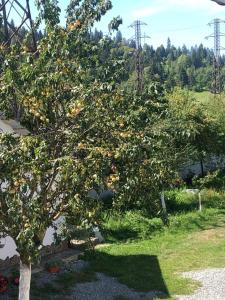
<point x="83" y="244"/>
<point x="45" y="251"/>
<point x="9" y="262"/>
<point x="53" y="249"/>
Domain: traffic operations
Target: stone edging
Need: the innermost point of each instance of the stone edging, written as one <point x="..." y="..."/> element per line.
<point x="45" y="251"/>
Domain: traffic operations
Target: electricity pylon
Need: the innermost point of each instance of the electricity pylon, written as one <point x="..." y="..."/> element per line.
<point x="18" y="10"/>
<point x="138" y="58"/>
<point x="216" y="35"/>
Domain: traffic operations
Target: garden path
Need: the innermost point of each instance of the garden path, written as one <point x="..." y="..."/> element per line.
<point x="213" y="284"/>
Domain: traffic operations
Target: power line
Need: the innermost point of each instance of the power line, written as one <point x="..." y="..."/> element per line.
<point x="216" y="35"/>
<point x="180" y="29"/>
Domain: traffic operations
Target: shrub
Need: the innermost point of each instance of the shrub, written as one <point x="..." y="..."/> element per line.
<point x="180" y="200"/>
<point x="195" y="220"/>
<point x="134" y="225"/>
<point x="215" y="180"/>
<point x="213" y="198"/>
<point x="130" y="225"/>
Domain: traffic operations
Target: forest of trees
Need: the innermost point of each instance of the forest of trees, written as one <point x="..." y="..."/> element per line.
<point x="173" y="66"/>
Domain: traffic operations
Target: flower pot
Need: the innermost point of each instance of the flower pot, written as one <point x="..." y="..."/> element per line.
<point x="53" y="269"/>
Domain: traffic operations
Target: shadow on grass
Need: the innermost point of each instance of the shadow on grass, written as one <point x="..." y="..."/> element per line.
<point x="174" y="207"/>
<point x="140" y="272"/>
<point x="197" y="221"/>
<point x="120" y="234"/>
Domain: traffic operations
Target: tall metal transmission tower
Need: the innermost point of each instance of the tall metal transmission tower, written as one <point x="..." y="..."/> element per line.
<point x="19" y="11"/>
<point x="217" y="88"/>
<point x="138" y="58"/>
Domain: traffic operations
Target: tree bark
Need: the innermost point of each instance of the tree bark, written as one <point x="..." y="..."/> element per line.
<point x="25" y="279"/>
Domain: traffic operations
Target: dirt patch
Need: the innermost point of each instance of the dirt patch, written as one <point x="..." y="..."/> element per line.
<point x="209" y="234"/>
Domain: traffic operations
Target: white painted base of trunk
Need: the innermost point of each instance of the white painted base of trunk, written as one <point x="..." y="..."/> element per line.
<point x="25" y="279"/>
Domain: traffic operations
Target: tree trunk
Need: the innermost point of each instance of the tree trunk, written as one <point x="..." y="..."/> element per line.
<point x="25" y="279"/>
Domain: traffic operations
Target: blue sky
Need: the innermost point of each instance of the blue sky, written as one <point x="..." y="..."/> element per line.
<point x="184" y="21"/>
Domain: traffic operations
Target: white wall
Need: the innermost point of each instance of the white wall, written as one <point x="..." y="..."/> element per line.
<point x="10" y="247"/>
<point x="5" y="127"/>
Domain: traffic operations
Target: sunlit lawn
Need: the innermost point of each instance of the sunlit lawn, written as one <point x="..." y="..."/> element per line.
<point x="156" y="264"/>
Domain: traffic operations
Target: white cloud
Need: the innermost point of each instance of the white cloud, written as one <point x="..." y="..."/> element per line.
<point x="158" y="6"/>
<point x="196" y="4"/>
<point x="146" y="12"/>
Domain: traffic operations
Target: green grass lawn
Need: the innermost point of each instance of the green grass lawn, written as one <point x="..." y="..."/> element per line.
<point x="203" y="97"/>
<point x="193" y="241"/>
<point x="149" y="261"/>
<point x="209" y="99"/>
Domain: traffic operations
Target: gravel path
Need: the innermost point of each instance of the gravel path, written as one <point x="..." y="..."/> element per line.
<point x="104" y="288"/>
<point x="213" y="284"/>
<point x="108" y="288"/>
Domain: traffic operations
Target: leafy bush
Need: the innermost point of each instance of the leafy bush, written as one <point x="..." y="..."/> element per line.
<point x="178" y="200"/>
<point x="215" y="180"/>
<point x="142" y="225"/>
<point x="194" y="220"/>
<point x="130" y="225"/>
<point x="213" y="198"/>
<point x="133" y="225"/>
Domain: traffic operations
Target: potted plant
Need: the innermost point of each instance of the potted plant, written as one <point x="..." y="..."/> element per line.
<point x="3" y="284"/>
<point x="53" y="265"/>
